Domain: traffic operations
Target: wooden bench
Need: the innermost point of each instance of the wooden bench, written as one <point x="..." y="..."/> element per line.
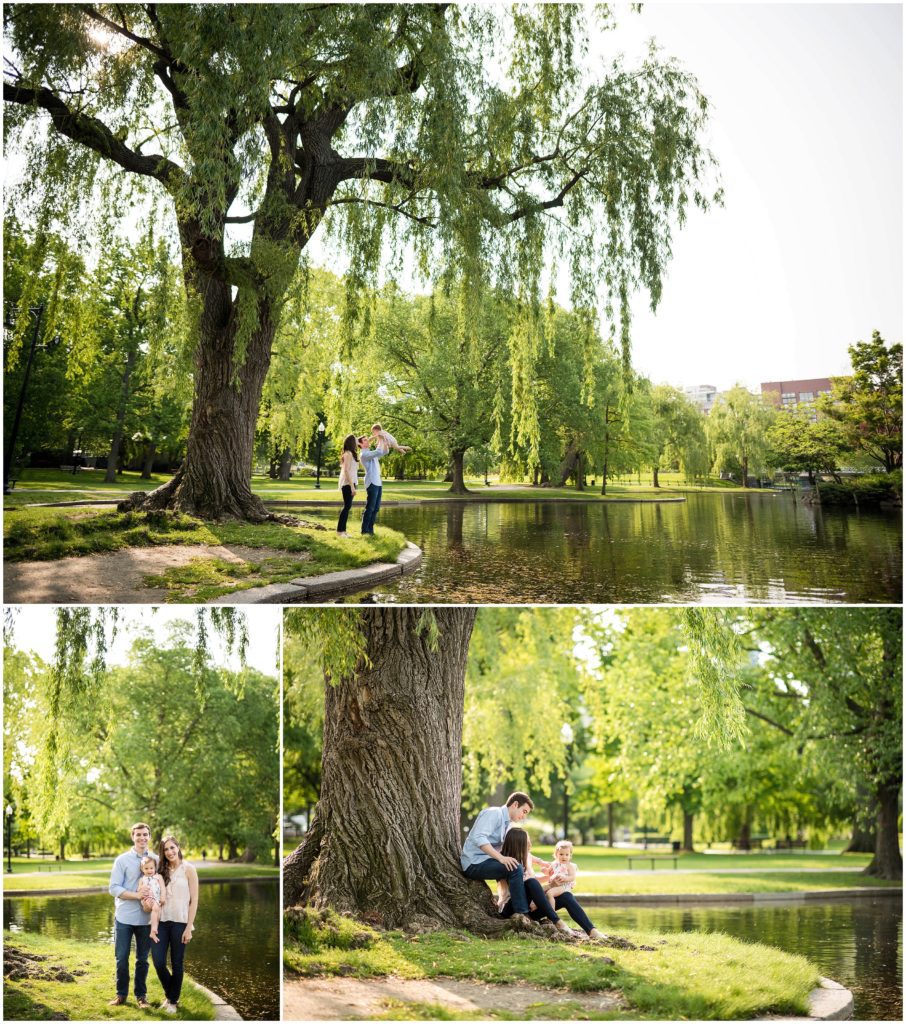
<point x="657" y="856"/>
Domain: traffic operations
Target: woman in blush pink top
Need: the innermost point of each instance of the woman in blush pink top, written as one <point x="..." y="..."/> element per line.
<point x="349" y="477"/>
<point x="177" y="920"/>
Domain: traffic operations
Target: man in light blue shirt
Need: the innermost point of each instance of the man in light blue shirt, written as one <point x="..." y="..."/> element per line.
<point x="481" y="857"/>
<point x="373" y="484"/>
<point x="130" y="918"/>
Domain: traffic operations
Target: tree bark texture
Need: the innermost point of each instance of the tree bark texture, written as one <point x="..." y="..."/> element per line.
<point x="148" y="463"/>
<point x="654" y="477"/>
<point x="286" y="464"/>
<point x="214" y="480"/>
<point x="688" y="844"/>
<point x="384" y="842"/>
<point x="568" y="464"/>
<point x="888" y="861"/>
<point x="459" y="480"/>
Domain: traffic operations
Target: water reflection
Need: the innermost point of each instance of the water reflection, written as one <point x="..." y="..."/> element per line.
<point x="712" y="548"/>
<point x="858" y="943"/>
<point x="235" y="950"/>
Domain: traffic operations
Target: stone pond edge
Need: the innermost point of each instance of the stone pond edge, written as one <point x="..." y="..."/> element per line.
<point x="330" y="584"/>
<point x="222" y="1009"/>
<point x="830" y="1001"/>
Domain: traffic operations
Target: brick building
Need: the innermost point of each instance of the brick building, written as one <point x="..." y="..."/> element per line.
<point x="791" y="393"/>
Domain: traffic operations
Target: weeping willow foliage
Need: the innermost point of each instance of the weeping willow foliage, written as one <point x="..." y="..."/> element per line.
<point x="479" y="142"/>
<point x="84" y="636"/>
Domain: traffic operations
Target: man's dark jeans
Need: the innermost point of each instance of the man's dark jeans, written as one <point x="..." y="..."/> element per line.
<point x="493" y="870"/>
<point x="534" y="892"/>
<point x="372" y="507"/>
<point x="121" y="948"/>
<point x="170" y="935"/>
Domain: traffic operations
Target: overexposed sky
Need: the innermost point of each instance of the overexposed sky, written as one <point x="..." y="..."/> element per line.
<point x="35" y="630"/>
<point x="806" y="256"/>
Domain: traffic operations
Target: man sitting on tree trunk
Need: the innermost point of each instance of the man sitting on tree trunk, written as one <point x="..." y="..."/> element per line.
<point x="481" y="857"/>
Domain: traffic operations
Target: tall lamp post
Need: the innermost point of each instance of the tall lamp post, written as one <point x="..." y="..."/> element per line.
<point x="321" y="429"/>
<point x="37" y="312"/>
<point x="9" y="838"/>
<point x="567" y="736"/>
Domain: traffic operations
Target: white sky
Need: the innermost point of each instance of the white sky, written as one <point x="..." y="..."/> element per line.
<point x="35" y="630"/>
<point x="806" y="256"/>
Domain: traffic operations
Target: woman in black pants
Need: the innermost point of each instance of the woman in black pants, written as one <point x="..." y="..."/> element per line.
<point x="349" y="475"/>
<point x="517" y="844"/>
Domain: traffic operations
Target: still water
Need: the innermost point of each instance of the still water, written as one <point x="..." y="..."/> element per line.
<point x="712" y="548"/>
<point x="235" y="951"/>
<point x="858" y="943"/>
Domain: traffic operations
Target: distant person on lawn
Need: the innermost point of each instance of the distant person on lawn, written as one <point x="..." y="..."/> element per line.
<point x="130" y="919"/>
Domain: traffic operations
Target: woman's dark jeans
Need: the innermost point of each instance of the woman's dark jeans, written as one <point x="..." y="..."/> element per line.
<point x="347" y="505"/>
<point x="566" y="901"/>
<point x="170" y="935"/>
<point x="534" y="893"/>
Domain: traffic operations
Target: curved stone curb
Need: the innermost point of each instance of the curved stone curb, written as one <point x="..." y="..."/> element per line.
<point x="617" y="899"/>
<point x="829" y="1001"/>
<point x="330" y="584"/>
<point x="222" y="1009"/>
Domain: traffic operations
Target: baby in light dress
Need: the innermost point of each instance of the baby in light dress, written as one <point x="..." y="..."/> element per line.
<point x="386" y="440"/>
<point x="151" y="889"/>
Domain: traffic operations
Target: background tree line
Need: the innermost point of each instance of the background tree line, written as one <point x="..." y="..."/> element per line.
<point x="168" y="738"/>
<point x="437" y="368"/>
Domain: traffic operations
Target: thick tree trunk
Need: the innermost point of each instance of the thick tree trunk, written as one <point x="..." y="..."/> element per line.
<point x="688" y="820"/>
<point x="888" y="861"/>
<point x="745" y="471"/>
<point x="385" y="843"/>
<point x="286" y="464"/>
<point x="117" y="440"/>
<point x="568" y="464"/>
<point x="604" y="478"/>
<point x="654" y="477"/>
<point x="214" y="480"/>
<point x="863" y="840"/>
<point x="148" y="464"/>
<point x="579" y="472"/>
<point x="459" y="481"/>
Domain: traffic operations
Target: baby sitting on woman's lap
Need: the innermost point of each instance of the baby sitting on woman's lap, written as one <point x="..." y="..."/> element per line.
<point x="562" y="874"/>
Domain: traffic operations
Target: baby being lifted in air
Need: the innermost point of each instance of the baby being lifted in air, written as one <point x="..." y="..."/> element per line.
<point x="151" y="889"/>
<point x="386" y="440"/>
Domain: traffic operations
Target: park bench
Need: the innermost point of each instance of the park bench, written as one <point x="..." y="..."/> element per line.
<point x="790" y="844"/>
<point x="652" y="858"/>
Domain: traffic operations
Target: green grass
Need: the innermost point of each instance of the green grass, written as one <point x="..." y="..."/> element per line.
<point x="49" y="485"/>
<point x="602" y="858"/>
<point x="86" y="996"/>
<point x="288" y="552"/>
<point x="96" y="877"/>
<point x="646" y="882"/>
<point x="692" y="975"/>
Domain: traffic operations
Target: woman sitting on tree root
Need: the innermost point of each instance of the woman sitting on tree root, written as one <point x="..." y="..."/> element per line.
<point x="517" y="844"/>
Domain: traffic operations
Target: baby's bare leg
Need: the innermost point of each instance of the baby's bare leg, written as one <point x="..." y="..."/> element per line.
<point x="155" y="921"/>
<point x="554" y="891"/>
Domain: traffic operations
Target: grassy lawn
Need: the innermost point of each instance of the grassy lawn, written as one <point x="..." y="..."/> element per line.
<point x="602" y="858"/>
<point x="288" y="552"/>
<point x="689" y="975"/>
<point x="96" y="877"/>
<point x="83" y="986"/>
<point x="641" y="882"/>
<point x="49" y="485"/>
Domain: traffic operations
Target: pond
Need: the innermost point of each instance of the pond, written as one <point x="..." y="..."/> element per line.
<point x="235" y="951"/>
<point x="712" y="548"/>
<point x="858" y="943"/>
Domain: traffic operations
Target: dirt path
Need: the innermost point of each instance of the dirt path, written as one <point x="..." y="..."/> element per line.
<point x="112" y="578"/>
<point x="352" y="999"/>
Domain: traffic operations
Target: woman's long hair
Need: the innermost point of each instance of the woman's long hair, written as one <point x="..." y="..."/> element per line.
<point x="516" y="844"/>
<point x="163" y="865"/>
<point x="350" y="444"/>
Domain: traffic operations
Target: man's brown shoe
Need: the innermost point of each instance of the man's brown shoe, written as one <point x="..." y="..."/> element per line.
<point x="143" y="1004"/>
<point x="119" y="1001"/>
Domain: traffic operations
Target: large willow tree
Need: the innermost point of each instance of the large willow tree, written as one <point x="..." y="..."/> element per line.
<point x="477" y="139"/>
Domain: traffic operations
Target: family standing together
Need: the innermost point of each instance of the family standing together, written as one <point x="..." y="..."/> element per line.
<point x="356" y="450"/>
<point x="156" y="899"/>
<point x="496" y="849"/>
